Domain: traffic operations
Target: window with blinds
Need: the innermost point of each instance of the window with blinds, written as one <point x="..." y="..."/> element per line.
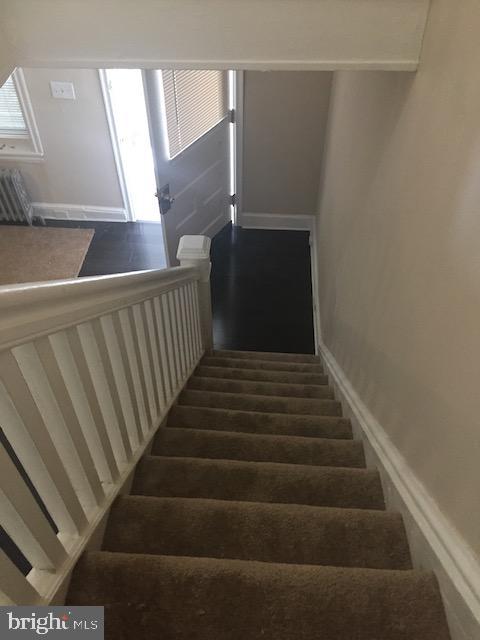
<point x="12" y="122"/>
<point x="195" y="101"/>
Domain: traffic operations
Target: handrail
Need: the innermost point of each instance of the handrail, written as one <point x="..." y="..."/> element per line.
<point x="34" y="308"/>
<point x="89" y="369"/>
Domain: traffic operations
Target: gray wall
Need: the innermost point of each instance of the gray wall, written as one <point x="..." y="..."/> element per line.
<point x="285" y="115"/>
<point x="399" y="269"/>
<point x="79" y="166"/>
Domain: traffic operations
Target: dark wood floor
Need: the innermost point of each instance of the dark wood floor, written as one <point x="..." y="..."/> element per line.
<point x="261" y="290"/>
<point x="261" y="282"/>
<point x="119" y="247"/>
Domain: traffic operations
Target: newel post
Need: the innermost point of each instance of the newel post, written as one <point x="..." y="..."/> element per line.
<point x="194" y="251"/>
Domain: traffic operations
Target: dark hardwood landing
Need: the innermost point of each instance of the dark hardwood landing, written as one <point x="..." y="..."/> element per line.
<point x="261" y="290"/>
<point x="119" y="247"/>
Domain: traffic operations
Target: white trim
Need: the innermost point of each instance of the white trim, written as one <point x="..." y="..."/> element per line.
<point x="313" y="241"/>
<point x="60" y="211"/>
<point x="247" y="64"/>
<point x="102" y="74"/>
<point x="279" y="221"/>
<point x="238" y="168"/>
<point x="32" y="148"/>
<point x="435" y="544"/>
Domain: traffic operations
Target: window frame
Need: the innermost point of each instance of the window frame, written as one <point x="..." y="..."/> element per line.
<point x="25" y="147"/>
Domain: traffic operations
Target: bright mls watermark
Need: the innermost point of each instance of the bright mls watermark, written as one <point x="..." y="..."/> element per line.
<point x="57" y="622"/>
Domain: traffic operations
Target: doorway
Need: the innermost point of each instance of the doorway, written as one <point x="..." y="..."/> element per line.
<point x="176" y="136"/>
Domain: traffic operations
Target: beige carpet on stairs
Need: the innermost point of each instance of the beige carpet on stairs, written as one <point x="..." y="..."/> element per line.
<point x="255" y="518"/>
<point x="35" y="254"/>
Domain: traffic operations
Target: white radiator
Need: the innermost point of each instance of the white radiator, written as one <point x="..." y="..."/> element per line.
<point x="15" y="205"/>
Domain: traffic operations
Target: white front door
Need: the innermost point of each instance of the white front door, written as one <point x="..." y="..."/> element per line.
<point x="189" y="127"/>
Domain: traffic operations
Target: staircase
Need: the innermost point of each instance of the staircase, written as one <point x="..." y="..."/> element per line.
<point x="254" y="517"/>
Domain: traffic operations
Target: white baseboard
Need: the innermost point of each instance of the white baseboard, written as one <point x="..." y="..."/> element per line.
<point x="278" y="221"/>
<point x="434" y="543"/>
<point x="62" y="211"/>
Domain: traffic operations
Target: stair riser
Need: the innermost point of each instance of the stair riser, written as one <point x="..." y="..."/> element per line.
<point x="262" y="404"/>
<point x="257" y="448"/>
<point x="303" y="358"/>
<point x="262" y="364"/>
<point x="267" y="423"/>
<point x="267" y="533"/>
<point x="261" y="375"/>
<point x="260" y="388"/>
<point x="258" y="482"/>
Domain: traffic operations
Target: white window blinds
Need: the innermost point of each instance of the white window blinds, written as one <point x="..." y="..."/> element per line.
<point x="12" y="121"/>
<point x="195" y="101"/>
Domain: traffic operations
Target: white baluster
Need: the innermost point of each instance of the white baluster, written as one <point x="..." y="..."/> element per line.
<point x="139" y="331"/>
<point x="24" y="521"/>
<point x="70" y="420"/>
<point x="163" y="348"/>
<point x="152" y="336"/>
<point x="175" y="341"/>
<point x="165" y="317"/>
<point x="14" y="587"/>
<point x="102" y="381"/>
<point x="133" y="391"/>
<point x="138" y="380"/>
<point x="85" y="399"/>
<point x="31" y="440"/>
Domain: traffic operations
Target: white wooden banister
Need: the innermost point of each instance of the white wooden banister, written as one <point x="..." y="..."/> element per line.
<point x="89" y="369"/>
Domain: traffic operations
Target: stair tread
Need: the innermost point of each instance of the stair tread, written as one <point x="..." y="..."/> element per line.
<point x="258" y="482"/>
<point x="175" y="597"/>
<point x="257" y="447"/>
<point x="295" y="377"/>
<point x="259" y="403"/>
<point x="283" y="533"/>
<point x="261" y="388"/>
<point x="271" y="365"/>
<point x="266" y="355"/>
<point x="259" y="422"/>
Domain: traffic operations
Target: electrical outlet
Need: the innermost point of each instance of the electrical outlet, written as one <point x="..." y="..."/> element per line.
<point x="62" y="90"/>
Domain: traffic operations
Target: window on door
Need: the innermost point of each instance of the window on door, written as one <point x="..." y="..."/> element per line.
<point x="195" y="101"/>
<point x="19" y="138"/>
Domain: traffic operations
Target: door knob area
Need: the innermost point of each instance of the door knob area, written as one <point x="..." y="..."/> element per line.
<point x="165" y="200"/>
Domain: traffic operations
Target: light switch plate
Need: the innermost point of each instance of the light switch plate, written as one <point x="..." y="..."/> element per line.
<point x="63" y="90"/>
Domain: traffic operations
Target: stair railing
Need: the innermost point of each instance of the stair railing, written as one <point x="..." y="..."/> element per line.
<point x="89" y="369"/>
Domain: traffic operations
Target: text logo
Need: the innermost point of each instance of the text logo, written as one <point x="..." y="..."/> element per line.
<point x="58" y="622"/>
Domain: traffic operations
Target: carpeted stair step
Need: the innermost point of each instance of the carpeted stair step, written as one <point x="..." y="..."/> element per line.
<point x="261" y="375"/>
<point x="260" y="388"/>
<point x="258" y="531"/>
<point x="307" y="358"/>
<point x="201" y="443"/>
<point x="269" y="365"/>
<point x="258" y="482"/>
<point x="262" y="404"/>
<point x="257" y="422"/>
<point x="177" y="598"/>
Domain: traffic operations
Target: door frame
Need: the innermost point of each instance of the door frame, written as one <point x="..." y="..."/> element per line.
<point x="107" y="101"/>
<point x="238" y="105"/>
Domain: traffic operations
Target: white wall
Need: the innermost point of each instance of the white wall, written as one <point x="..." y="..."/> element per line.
<point x="8" y="55"/>
<point x="78" y="167"/>
<point x="247" y="33"/>
<point x="399" y="269"/>
<point x="285" y="117"/>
